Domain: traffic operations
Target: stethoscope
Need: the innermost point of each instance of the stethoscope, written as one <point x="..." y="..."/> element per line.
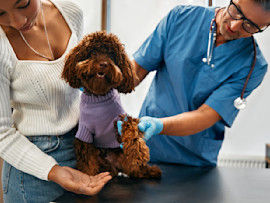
<point x="239" y="102"/>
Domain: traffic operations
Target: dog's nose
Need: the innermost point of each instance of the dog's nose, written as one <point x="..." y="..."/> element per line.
<point x="103" y="64"/>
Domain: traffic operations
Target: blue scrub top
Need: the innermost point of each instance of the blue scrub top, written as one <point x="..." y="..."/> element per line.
<point x="183" y="82"/>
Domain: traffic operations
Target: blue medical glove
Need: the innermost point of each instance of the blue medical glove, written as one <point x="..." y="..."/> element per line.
<point x="150" y="126"/>
<point x="119" y="128"/>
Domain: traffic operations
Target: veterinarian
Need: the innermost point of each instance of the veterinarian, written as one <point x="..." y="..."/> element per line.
<point x="196" y="90"/>
<point x="36" y="138"/>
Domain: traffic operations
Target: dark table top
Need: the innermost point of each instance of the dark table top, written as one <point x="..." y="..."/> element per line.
<point x="186" y="184"/>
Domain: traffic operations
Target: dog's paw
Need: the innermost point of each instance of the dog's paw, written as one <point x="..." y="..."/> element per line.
<point x="123" y="175"/>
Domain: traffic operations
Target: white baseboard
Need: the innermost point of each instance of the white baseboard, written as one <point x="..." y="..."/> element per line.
<point x="241" y="161"/>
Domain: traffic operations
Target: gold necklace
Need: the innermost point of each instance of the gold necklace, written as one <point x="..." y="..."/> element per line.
<point x="42" y="55"/>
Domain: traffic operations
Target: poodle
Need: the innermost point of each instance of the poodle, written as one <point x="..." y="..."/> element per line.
<point x="101" y="66"/>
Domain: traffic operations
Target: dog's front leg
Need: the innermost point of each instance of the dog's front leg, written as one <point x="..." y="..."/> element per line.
<point x="87" y="157"/>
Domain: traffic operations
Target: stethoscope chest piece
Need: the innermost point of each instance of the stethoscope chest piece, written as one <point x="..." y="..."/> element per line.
<point x="240" y="103"/>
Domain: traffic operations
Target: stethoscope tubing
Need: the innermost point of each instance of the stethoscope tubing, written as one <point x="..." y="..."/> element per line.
<point x="239" y="100"/>
<point x="252" y="67"/>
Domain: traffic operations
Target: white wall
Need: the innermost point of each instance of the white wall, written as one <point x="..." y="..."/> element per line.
<point x="92" y="14"/>
<point x="134" y="20"/>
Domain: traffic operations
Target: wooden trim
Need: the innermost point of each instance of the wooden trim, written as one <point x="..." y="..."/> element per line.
<point x="104" y="15"/>
<point x="210" y="3"/>
<point x="1" y="189"/>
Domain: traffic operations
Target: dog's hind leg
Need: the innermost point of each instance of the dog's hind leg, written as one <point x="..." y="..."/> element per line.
<point x="137" y="171"/>
<point x="151" y="171"/>
<point x="136" y="151"/>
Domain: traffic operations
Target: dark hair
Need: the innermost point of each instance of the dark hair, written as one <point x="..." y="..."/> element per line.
<point x="264" y="3"/>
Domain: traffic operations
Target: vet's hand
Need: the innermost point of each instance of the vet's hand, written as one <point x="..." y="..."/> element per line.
<point x="149" y="125"/>
<point x="78" y="182"/>
<point x="119" y="129"/>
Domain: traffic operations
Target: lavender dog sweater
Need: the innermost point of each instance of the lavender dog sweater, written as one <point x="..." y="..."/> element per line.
<point x="97" y="115"/>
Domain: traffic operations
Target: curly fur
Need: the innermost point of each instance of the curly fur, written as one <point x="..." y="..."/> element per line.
<point x="135" y="150"/>
<point x="86" y="60"/>
<point x="99" y="63"/>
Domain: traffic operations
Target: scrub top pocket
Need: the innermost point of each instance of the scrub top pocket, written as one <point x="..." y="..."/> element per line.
<point x="209" y="149"/>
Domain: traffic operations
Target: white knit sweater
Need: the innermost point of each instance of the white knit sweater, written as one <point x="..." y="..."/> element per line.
<point x="43" y="103"/>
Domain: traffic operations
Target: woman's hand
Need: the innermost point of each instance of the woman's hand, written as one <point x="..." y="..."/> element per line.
<point x="78" y="182"/>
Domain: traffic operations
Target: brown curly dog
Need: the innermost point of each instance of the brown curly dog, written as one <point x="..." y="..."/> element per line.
<point x="101" y="66"/>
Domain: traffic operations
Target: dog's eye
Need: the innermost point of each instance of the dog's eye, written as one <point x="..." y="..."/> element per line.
<point x="91" y="54"/>
<point x="112" y="56"/>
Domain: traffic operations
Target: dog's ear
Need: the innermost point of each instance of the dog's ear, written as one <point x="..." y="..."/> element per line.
<point x="69" y="73"/>
<point x="76" y="55"/>
<point x="129" y="75"/>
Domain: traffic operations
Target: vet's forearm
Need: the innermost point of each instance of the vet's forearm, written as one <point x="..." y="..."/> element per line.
<point x="140" y="71"/>
<point x="189" y="123"/>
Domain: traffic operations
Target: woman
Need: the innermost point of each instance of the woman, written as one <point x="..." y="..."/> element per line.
<point x="36" y="138"/>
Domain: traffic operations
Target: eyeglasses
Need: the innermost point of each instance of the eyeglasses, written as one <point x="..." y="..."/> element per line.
<point x="247" y="24"/>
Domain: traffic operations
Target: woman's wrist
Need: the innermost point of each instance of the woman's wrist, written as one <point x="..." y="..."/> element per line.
<point x="53" y="173"/>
